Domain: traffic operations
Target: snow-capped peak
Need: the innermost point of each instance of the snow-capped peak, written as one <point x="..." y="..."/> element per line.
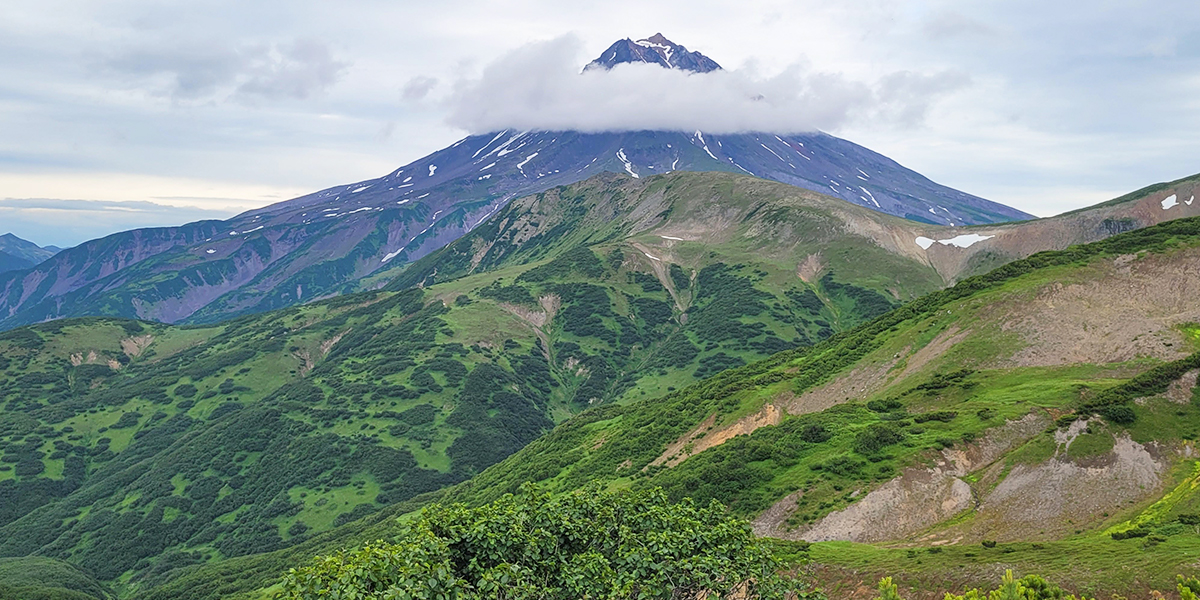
<point x="656" y="49"/>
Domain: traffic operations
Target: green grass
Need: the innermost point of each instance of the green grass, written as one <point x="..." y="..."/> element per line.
<point x="1094" y="565"/>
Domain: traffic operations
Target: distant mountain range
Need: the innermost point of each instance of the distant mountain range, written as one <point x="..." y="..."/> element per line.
<point x="358" y="236"/>
<point x="17" y="254"/>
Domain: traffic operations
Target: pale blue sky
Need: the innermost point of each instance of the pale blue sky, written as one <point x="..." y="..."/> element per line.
<point x="222" y="106"/>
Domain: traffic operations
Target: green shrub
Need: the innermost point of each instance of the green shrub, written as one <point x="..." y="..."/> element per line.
<point x="875" y="438"/>
<point x="586" y="544"/>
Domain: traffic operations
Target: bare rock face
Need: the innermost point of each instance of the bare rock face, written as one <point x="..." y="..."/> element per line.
<point x="1030" y="502"/>
<point x="913" y="502"/>
<point x="1051" y="499"/>
<point x="657" y="50"/>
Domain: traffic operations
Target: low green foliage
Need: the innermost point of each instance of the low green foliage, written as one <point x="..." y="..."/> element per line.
<point x="584" y="544"/>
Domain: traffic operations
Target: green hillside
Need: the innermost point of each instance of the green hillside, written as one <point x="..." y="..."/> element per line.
<point x="132" y="449"/>
<point x="955" y="399"/>
<point x="202" y="461"/>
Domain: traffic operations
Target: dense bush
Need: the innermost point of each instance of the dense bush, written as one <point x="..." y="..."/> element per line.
<point x="585" y="544"/>
<point x="875" y="438"/>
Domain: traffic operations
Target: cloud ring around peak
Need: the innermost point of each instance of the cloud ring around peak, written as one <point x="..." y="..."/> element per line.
<point x="540" y="86"/>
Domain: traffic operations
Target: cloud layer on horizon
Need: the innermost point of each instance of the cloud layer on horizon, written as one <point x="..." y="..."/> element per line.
<point x="540" y="86"/>
<point x="65" y="223"/>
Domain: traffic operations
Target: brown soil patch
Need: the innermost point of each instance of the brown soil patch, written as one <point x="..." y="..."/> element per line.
<point x="810" y="270"/>
<point x="328" y="344"/>
<point x="700" y="439"/>
<point x="913" y="502"/>
<point x="537" y="319"/>
<point x="1127" y="313"/>
<point x="935" y="348"/>
<point x="1053" y="498"/>
<point x="1181" y="390"/>
<point x="858" y="383"/>
<point x="660" y="268"/>
<point x="134" y="346"/>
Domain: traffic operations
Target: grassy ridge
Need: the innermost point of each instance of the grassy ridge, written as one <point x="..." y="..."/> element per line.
<point x="851" y="447"/>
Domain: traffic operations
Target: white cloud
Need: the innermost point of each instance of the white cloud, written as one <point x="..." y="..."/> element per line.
<point x="206" y="70"/>
<point x="539" y="86"/>
<point x="65" y="223"/>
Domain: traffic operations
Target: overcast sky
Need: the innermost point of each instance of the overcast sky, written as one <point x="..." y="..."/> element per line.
<point x="189" y="110"/>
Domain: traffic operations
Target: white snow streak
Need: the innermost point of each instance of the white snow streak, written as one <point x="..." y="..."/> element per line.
<point x="1169" y="201"/>
<point x="489" y="143"/>
<point x="650" y="257"/>
<point x="521" y="165"/>
<point x="871" y="195"/>
<point x="628" y="166"/>
<point x="771" y="151"/>
<point x="700" y="136"/>
<point x="667" y="237"/>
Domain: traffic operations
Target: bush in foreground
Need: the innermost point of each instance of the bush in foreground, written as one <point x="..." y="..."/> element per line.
<point x="588" y="544"/>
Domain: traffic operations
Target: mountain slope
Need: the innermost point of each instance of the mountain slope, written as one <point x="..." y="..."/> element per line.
<point x="9" y="262"/>
<point x="26" y="250"/>
<point x="610" y="291"/>
<point x="297" y="420"/>
<point x="348" y="237"/>
<point x="1008" y="408"/>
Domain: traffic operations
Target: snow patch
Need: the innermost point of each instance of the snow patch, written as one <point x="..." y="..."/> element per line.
<point x="488" y="176"/>
<point x="349" y="213"/>
<point x="960" y="241"/>
<point x="405" y="201"/>
<point x="1169" y="201"/>
<point x="771" y="151"/>
<point x="1189" y="201"/>
<point x="489" y="143"/>
<point x="355" y="191"/>
<point x="651" y="257"/>
<point x="965" y="240"/>
<point x="521" y="165"/>
<point x="391" y="255"/>
<point x="628" y="166"/>
<point x="432" y="168"/>
<point x="490" y="165"/>
<point x="868" y="192"/>
<point x="252" y="230"/>
<point x="407" y="179"/>
<point x="667" y="237"/>
<point x="422" y="195"/>
<point x="210" y="251"/>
